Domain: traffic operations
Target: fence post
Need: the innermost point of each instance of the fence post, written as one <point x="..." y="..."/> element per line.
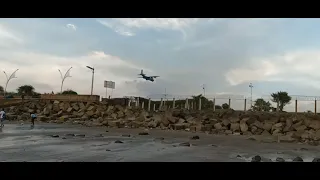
<point x="142" y="105"/>
<point x="137" y="102"/>
<point x="296" y="106"/>
<point x="174" y="103"/>
<point x="187" y="103"/>
<point x="277" y="106"/>
<point x="149" y="104"/>
<point x="200" y="104"/>
<point x="214" y="104"/>
<point x="245" y="104"/>
<point x="160" y="107"/>
<point x="191" y="104"/>
<point x="154" y="107"/>
<point x="229" y="103"/>
<point x="129" y="103"/>
<point x="315" y="106"/>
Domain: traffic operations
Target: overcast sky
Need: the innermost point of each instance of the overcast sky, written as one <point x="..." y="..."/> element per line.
<point x="224" y="54"/>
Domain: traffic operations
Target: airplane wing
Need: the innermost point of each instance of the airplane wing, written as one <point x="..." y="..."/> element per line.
<point x="154" y="76"/>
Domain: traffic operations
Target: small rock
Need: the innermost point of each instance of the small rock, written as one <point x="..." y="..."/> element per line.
<point x="99" y="135"/>
<point x="80" y="135"/>
<point x="238" y="156"/>
<point x="64" y="138"/>
<point x="280" y="159"/>
<point x="213" y="145"/>
<point x="143" y="133"/>
<point x="126" y="135"/>
<point x="160" y="138"/>
<point x="107" y="131"/>
<point x="298" y="159"/>
<point x="69" y="135"/>
<point x="316" y="160"/>
<point x="303" y="149"/>
<point x="256" y="159"/>
<point x="185" y="144"/>
<point x="195" y="137"/>
<point x="118" y="141"/>
<point x="108" y="150"/>
<point x="55" y="136"/>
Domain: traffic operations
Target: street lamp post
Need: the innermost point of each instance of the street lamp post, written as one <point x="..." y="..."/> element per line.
<point x="64" y="77"/>
<point x="92" y="69"/>
<point x="251" y="86"/>
<point x="13" y="75"/>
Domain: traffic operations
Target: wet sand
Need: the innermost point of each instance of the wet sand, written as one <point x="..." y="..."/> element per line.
<point x="22" y="143"/>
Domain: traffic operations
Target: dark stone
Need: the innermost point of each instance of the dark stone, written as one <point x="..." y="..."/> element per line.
<point x="55" y="136"/>
<point x="69" y="135"/>
<point x="143" y="133"/>
<point x="126" y="135"/>
<point x="80" y="135"/>
<point x="316" y="160"/>
<point x="256" y="159"/>
<point x="213" y="145"/>
<point x="185" y="144"/>
<point x="107" y="131"/>
<point x="64" y="138"/>
<point x="298" y="159"/>
<point x="280" y="159"/>
<point x="108" y="150"/>
<point x="118" y="141"/>
<point x="160" y="138"/>
<point x="238" y="156"/>
<point x="195" y="137"/>
<point x="98" y="135"/>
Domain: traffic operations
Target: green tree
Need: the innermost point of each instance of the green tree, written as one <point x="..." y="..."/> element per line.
<point x="69" y="91"/>
<point x="282" y="98"/>
<point x="26" y="89"/>
<point x="218" y="107"/>
<point x="205" y="103"/>
<point x="261" y="105"/>
<point x="225" y="106"/>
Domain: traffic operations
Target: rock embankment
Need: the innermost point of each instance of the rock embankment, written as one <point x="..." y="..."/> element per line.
<point x="288" y="127"/>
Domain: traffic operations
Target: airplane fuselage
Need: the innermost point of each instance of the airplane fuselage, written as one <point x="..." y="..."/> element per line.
<point x="147" y="78"/>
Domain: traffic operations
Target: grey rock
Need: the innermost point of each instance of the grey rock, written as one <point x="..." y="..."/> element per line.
<point x="280" y="159"/>
<point x="298" y="159"/>
<point x="256" y="159"/>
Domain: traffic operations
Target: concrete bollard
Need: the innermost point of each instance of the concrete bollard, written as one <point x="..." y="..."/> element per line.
<point x="245" y="104"/>
<point x="137" y="103"/>
<point x="149" y="105"/>
<point x="214" y="104"/>
<point x="192" y="105"/>
<point x="154" y="107"/>
<point x="278" y="106"/>
<point x="315" y="106"/>
<point x="296" y="106"/>
<point x="229" y="103"/>
<point x="129" y="103"/>
<point x="174" y="103"/>
<point x="200" y="104"/>
<point x="186" y="104"/>
<point x="142" y="105"/>
<point x="161" y="104"/>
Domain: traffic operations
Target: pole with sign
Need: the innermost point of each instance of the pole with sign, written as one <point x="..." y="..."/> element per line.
<point x="109" y="84"/>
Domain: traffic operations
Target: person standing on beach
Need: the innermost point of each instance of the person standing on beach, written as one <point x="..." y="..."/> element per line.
<point x="2" y="117"/>
<point x="33" y="118"/>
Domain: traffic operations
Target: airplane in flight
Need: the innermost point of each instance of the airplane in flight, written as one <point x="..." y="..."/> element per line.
<point x="148" y="78"/>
